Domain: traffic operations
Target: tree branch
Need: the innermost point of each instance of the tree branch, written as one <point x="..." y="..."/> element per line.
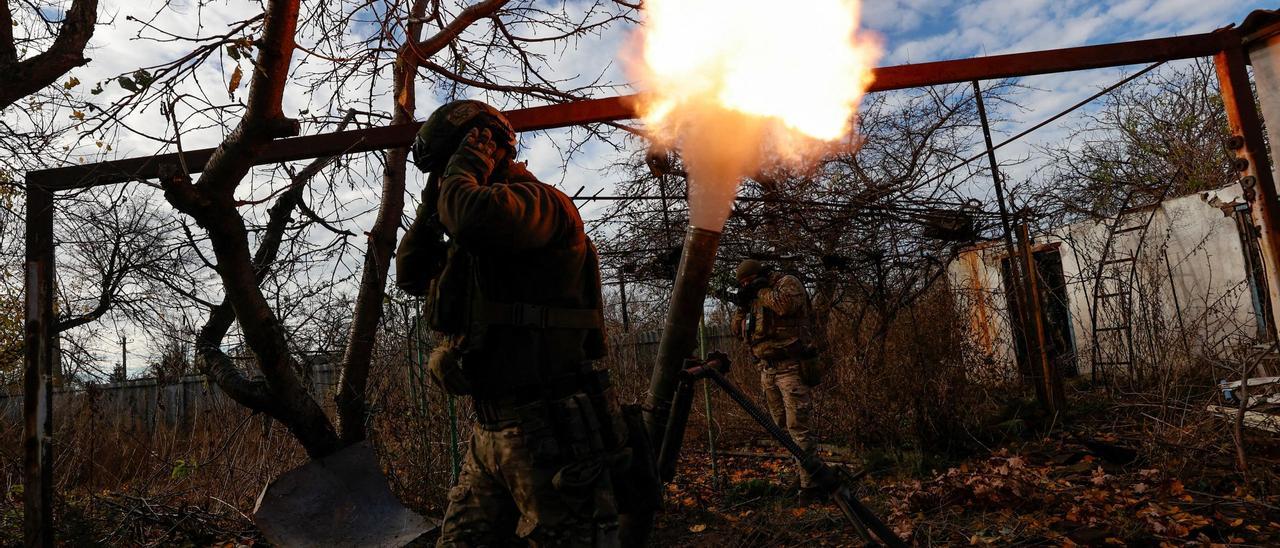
<point x="20" y="79"/>
<point x="382" y="240"/>
<point x="420" y="51"/>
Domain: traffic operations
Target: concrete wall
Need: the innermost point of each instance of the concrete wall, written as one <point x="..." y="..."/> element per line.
<point x="1189" y="289"/>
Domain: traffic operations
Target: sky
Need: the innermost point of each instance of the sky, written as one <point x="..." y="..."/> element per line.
<point x="910" y="31"/>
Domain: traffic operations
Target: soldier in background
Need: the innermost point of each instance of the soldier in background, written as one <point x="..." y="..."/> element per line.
<point x="773" y="318"/>
<point x="514" y="293"/>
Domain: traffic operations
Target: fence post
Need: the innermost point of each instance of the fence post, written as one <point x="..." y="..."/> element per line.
<point x="38" y="369"/>
<point x="706" y="397"/>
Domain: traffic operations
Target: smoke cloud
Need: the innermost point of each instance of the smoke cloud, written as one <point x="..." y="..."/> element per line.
<point x="736" y="85"/>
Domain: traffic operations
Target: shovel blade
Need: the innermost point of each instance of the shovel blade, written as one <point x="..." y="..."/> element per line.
<point x="340" y="500"/>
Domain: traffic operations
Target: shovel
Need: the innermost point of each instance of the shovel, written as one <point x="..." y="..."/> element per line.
<point x="339" y="500"/>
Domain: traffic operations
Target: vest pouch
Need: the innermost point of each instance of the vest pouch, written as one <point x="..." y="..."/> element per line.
<point x="576" y="422"/>
<point x="813" y="364"/>
<point x="448" y="304"/>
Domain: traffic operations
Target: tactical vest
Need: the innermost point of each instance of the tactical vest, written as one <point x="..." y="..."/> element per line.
<point x="774" y="336"/>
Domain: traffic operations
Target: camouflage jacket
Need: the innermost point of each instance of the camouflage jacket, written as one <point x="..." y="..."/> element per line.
<point x="777" y="320"/>
<point x="514" y="241"/>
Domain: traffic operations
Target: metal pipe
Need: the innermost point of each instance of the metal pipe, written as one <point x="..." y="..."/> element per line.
<point x="1015" y="274"/>
<point x="1055" y="397"/>
<point x="673" y="438"/>
<point x="680" y="331"/>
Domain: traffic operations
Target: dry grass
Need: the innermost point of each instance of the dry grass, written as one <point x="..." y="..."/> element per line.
<point x="910" y="397"/>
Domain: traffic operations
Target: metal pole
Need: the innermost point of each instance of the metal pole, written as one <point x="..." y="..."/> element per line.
<point x="1250" y="147"/>
<point x="37" y="400"/>
<point x="1049" y="376"/>
<point x="706" y="398"/>
<point x="454" y="457"/>
<point x="680" y="332"/>
<point x="622" y="289"/>
<point x="1015" y="275"/>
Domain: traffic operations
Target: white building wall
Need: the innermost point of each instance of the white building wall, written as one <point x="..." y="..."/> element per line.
<point x="1191" y="254"/>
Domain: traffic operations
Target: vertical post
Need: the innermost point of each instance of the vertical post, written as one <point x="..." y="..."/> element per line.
<point x="1055" y="399"/>
<point x="622" y="290"/>
<point x="680" y="331"/>
<point x="706" y="398"/>
<point x="1249" y="145"/>
<point x="123" y="374"/>
<point x="455" y="458"/>
<point x="1021" y="323"/>
<point x="38" y="370"/>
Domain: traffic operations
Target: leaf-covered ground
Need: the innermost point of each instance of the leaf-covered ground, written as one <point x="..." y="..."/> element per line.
<point x="1060" y="491"/>
<point x="1104" y="484"/>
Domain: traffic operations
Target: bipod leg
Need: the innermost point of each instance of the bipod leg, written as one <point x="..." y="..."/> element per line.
<point x="673" y="435"/>
<point x="832" y="479"/>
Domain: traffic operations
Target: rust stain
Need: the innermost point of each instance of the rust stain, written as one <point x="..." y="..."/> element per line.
<point x="980" y="315"/>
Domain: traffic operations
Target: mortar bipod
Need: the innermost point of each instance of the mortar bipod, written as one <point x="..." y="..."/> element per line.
<point x="835" y="481"/>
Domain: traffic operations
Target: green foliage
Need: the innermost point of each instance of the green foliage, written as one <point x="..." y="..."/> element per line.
<point x="136" y="82"/>
<point x="183" y="468"/>
<point x="751" y="489"/>
<point x="11" y="337"/>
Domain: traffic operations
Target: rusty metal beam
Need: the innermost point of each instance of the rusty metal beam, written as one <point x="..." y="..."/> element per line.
<point x="1250" y="147"/>
<point x="622" y="107"/>
<point x="325" y="144"/>
<point x="1015" y="65"/>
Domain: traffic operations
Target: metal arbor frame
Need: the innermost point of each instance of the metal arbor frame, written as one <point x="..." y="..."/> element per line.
<point x="1228" y="46"/>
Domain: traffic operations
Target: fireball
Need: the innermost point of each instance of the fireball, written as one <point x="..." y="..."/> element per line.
<point x="735" y="83"/>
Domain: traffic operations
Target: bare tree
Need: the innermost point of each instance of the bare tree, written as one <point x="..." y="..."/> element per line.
<point x="19" y="76"/>
<point x="224" y="230"/>
<point x="1165" y="133"/>
<point x="869" y="229"/>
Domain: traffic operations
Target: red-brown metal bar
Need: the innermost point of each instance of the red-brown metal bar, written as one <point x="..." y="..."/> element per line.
<point x="1256" y="178"/>
<point x="622" y="108"/>
<point x="1034" y="63"/>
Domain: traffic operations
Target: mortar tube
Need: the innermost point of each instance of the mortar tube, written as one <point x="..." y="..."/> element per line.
<point x="680" y="332"/>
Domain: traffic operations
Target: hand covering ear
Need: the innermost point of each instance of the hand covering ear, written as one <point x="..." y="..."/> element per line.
<point x="476" y="155"/>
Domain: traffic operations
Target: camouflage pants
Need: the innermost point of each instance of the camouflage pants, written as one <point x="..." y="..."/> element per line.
<point x="789" y="404"/>
<point x="504" y="498"/>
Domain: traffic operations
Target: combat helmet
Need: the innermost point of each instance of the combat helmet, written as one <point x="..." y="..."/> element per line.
<point x="749" y="268"/>
<point x="444" y="130"/>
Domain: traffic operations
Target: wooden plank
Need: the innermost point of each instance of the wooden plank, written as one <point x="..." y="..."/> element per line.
<point x="1253" y="419"/>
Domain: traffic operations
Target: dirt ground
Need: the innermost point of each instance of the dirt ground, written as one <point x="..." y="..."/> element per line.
<point x="1058" y="490"/>
<point x="1105" y="481"/>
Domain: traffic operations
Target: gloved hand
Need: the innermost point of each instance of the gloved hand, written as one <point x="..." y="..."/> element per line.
<point x="743" y="297"/>
<point x="445" y="365"/>
<point x="756" y="284"/>
<point x="748" y="292"/>
<point x="475" y="155"/>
